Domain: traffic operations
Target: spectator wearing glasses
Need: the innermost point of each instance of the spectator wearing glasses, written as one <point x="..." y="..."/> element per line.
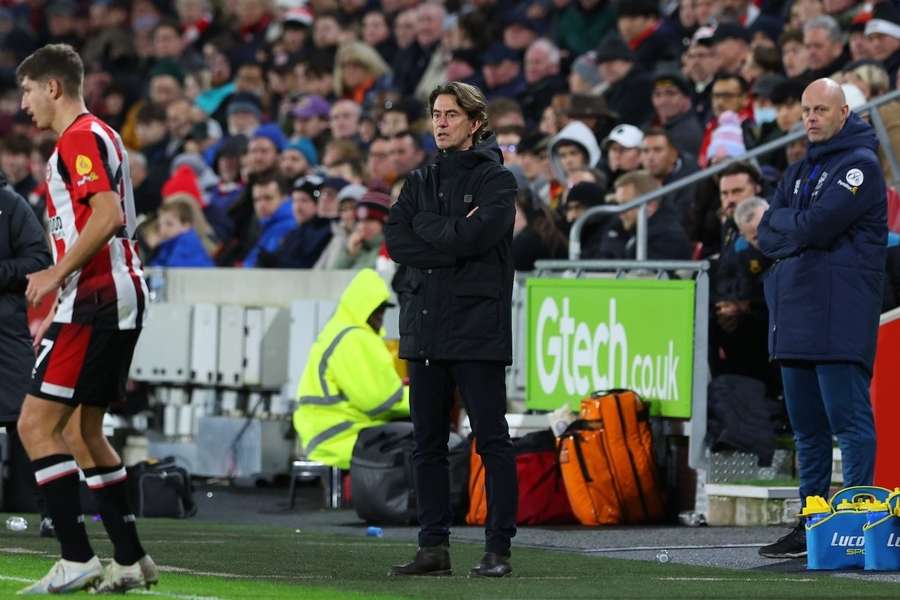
<point x="508" y="139"/>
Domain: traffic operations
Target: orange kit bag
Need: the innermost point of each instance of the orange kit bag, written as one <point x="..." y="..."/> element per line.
<point x="608" y="464"/>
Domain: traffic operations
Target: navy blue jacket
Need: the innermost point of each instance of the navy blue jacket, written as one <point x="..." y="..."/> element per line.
<point x="827" y="226"/>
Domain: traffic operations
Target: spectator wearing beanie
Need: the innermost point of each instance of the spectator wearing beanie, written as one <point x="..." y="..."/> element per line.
<point x="310" y="121"/>
<point x="302" y="246"/>
<point x="364" y="244"/>
<point x="727" y="139"/>
<point x="883" y="35"/>
<point x="729" y="93"/>
<point x="297" y="159"/>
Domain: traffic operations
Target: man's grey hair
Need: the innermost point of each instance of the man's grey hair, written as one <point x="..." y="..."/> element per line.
<point x="829" y="24"/>
<point x="744" y="211"/>
<point x="553" y="53"/>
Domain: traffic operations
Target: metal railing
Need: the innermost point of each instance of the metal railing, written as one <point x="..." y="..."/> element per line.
<point x="641" y="201"/>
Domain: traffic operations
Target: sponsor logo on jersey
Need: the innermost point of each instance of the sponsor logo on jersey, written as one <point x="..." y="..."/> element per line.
<point x="83" y="164"/>
<point x="55" y="226"/>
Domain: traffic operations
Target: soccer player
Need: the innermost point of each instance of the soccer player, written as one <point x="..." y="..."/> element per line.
<point x="85" y="351"/>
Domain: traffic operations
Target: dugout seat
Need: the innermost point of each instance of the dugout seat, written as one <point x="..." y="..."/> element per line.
<point x="330" y="478"/>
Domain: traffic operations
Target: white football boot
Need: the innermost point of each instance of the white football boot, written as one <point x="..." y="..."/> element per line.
<point x="67" y="576"/>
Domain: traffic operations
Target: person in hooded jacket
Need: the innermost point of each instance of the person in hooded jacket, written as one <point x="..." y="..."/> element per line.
<point x="573" y="149"/>
<point x="23" y="250"/>
<point x="451" y="231"/>
<point x="827" y="230"/>
<point x="349" y="381"/>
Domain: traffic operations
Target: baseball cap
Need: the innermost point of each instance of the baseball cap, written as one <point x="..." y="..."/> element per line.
<point x="625" y="135"/>
<point x="310" y="185"/>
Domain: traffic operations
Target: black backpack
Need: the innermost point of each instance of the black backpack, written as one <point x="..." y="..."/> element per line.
<point x="161" y="489"/>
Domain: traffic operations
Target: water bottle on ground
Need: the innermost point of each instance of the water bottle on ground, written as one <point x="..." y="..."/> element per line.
<point x="375" y="532"/>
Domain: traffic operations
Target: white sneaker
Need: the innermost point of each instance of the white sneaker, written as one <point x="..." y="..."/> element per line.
<point x="149" y="569"/>
<point x="120" y="579"/>
<point x="67" y="576"/>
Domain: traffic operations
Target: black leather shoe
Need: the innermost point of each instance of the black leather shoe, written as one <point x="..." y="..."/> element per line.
<point x="431" y="560"/>
<point x="492" y="565"/>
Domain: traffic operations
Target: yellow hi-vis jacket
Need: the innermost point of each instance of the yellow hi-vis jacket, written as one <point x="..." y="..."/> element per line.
<point x="349" y="382"/>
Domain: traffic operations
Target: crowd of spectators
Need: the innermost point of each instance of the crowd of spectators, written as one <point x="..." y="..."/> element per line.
<point x="277" y="133"/>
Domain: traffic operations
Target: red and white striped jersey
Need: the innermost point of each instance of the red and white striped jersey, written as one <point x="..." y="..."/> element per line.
<point x="109" y="292"/>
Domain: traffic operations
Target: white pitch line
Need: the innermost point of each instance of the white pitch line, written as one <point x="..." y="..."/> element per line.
<point x="741" y="579"/>
<point x="658" y="548"/>
<point x="144" y="592"/>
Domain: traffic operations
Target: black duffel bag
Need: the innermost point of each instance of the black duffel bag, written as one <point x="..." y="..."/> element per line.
<point x="382" y="475"/>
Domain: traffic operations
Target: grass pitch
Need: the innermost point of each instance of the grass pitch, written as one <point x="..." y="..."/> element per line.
<point x="216" y="561"/>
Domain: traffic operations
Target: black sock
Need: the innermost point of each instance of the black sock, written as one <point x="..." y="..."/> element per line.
<point x="57" y="477"/>
<point x="110" y="486"/>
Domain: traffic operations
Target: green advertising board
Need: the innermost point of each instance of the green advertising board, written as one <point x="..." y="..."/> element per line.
<point x="594" y="334"/>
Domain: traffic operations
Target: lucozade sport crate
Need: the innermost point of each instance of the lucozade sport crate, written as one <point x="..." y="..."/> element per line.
<point x="882" y="536"/>
<point x="834" y="540"/>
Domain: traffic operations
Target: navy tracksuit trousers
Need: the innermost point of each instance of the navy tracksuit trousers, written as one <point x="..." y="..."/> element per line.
<point x="825" y="399"/>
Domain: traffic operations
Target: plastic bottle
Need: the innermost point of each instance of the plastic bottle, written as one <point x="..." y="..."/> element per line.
<point x="375" y="532"/>
<point x="816" y="509"/>
<point x="662" y="557"/>
<point x="16" y="524"/>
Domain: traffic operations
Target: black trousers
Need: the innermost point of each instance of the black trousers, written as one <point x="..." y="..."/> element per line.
<point x="482" y="386"/>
